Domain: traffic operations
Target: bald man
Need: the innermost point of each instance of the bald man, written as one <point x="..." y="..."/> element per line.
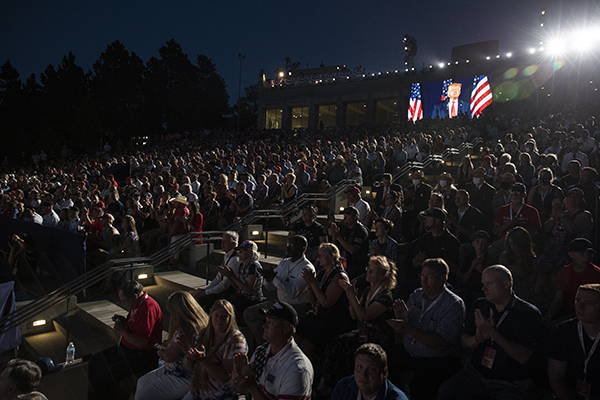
<point x="503" y="332"/>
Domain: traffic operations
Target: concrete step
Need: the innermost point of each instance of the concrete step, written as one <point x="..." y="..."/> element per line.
<point x="179" y="280"/>
<point x="47" y="316"/>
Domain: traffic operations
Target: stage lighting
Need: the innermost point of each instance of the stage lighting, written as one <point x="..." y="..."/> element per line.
<point x="531" y="51"/>
<point x="441" y="65"/>
<point x="584" y="40"/>
<point x="556" y="46"/>
<point x="508" y="55"/>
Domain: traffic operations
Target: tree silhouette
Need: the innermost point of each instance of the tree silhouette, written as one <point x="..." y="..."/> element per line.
<point x="120" y="98"/>
<point x="214" y="99"/>
<point x="248" y="107"/>
<point x="116" y="85"/>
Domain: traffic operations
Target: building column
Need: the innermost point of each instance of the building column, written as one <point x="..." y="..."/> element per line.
<point x="313" y="116"/>
<point x="370" y="111"/>
<point x="286" y="117"/>
<point x="340" y="113"/>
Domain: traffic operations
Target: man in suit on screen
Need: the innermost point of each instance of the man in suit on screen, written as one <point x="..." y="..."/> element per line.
<point x="452" y="106"/>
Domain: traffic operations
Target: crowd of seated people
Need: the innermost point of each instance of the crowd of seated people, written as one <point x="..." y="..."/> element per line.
<point x="487" y="255"/>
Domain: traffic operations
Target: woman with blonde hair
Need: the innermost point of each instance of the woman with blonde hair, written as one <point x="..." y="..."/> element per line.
<point x="222" y="188"/>
<point x="372" y="311"/>
<point x="212" y="358"/>
<point x="330" y="316"/>
<point x="172" y="380"/>
<point x="289" y="189"/>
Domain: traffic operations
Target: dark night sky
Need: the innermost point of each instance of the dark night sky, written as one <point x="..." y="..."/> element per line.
<point x="368" y="33"/>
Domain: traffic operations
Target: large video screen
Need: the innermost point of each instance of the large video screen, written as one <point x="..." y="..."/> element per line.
<point x="454" y="96"/>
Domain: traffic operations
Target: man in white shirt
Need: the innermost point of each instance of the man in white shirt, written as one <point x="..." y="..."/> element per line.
<point x="278" y="369"/>
<point x="575" y="154"/>
<point x="190" y="196"/>
<point x="355" y="200"/>
<point x="50" y="218"/>
<point x="287" y="279"/>
<point x="221" y="286"/>
<point x="30" y="215"/>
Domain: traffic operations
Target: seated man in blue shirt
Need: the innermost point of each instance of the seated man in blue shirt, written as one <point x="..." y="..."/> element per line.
<point x="370" y="377"/>
<point x="430" y="324"/>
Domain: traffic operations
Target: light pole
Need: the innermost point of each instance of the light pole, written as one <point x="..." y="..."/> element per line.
<point x="241" y="57"/>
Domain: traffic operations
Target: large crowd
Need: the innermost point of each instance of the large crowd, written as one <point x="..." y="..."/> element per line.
<point x="463" y="281"/>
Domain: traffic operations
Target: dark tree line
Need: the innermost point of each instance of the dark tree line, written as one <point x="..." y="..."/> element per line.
<point x="119" y="99"/>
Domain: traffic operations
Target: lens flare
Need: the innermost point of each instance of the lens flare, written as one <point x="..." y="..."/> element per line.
<point x="528" y="71"/>
<point x="511" y="73"/>
<point x="558" y="64"/>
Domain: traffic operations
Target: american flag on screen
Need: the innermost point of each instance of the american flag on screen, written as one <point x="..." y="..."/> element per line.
<point x="481" y="95"/>
<point x="447" y="83"/>
<point x="415" y="108"/>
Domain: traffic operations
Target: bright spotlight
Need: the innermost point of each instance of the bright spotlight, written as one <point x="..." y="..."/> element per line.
<point x="508" y="55"/>
<point x="441" y="65"/>
<point x="556" y="46"/>
<point x="583" y="40"/>
<point x="532" y="51"/>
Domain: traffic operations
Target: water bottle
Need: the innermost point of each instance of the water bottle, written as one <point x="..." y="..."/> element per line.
<point x="70" y="353"/>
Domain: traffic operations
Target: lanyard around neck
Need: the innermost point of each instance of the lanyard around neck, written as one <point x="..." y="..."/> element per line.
<point x="589" y="355"/>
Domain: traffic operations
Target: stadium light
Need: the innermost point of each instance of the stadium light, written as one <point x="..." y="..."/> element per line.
<point x="487" y="58"/>
<point x="441" y="65"/>
<point x="556" y="47"/>
<point x="532" y="51"/>
<point x="509" y="55"/>
<point x="583" y="40"/>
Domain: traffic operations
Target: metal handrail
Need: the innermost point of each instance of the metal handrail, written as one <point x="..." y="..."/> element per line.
<point x="83" y="282"/>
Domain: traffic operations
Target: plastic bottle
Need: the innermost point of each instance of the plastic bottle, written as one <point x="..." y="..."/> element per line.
<point x="70" y="353"/>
